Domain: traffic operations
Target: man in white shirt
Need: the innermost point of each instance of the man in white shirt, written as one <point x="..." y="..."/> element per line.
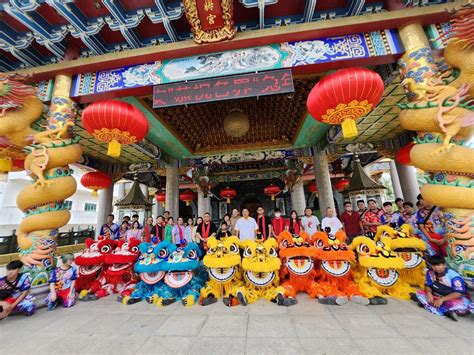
<point x="309" y="222"/>
<point x="330" y="221"/>
<point x="246" y="227"/>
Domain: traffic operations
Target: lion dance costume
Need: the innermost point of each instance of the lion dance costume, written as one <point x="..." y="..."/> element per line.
<point x="410" y="249"/>
<point x="225" y="275"/>
<point x="377" y="272"/>
<point x="184" y="276"/>
<point x="298" y="257"/>
<point x="335" y="276"/>
<point x="261" y="266"/>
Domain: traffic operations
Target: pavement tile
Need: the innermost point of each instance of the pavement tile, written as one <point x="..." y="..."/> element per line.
<point x="263" y="307"/>
<point x="184" y="325"/>
<point x="364" y="326"/>
<point x="270" y="326"/>
<point x="268" y="345"/>
<point x="320" y="325"/>
<point x="442" y="346"/>
<point x="166" y="345"/>
<point x="225" y="325"/>
<point x="321" y="345"/>
<point x="222" y="345"/>
<point x="410" y="325"/>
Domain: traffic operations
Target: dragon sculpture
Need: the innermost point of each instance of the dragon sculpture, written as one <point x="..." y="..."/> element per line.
<point x="442" y="114"/>
<point x="377" y="271"/>
<point x="222" y="261"/>
<point x="184" y="276"/>
<point x="408" y="247"/>
<point x="92" y="267"/>
<point x="335" y="274"/>
<point x="260" y="266"/>
<point x="298" y="258"/>
<point x="148" y="268"/>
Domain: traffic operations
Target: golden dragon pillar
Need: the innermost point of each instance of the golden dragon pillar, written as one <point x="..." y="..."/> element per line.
<point x="441" y="111"/>
<point x="47" y="162"/>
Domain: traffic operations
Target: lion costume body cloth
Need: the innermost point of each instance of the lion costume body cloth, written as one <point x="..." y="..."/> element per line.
<point x="410" y="249"/>
<point x="225" y="274"/>
<point x="335" y="273"/>
<point x="377" y="272"/>
<point x="298" y="258"/>
<point x="261" y="266"/>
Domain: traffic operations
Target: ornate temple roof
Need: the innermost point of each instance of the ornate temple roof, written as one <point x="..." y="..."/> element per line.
<point x="360" y="181"/>
<point x="134" y="199"/>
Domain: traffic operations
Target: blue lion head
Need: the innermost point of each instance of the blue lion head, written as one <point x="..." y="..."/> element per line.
<point x="151" y="261"/>
<point x="181" y="264"/>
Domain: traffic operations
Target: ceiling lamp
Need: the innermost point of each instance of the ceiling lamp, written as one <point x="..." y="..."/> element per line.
<point x="236" y="123"/>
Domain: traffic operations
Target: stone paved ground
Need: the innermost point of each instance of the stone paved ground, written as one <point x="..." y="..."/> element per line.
<point x="106" y="326"/>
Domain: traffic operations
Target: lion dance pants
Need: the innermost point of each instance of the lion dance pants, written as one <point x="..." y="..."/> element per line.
<point x="460" y="306"/>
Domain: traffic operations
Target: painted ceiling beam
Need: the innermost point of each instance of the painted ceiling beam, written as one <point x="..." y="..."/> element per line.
<point x="19" y="46"/>
<point x="299" y="32"/>
<point x="309" y="8"/>
<point x="165" y="14"/>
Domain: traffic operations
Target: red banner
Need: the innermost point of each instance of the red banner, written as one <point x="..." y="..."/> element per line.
<point x="210" y="14"/>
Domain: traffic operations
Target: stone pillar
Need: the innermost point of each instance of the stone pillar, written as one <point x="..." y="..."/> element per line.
<point x="105" y="205"/>
<point x="172" y="188"/>
<point x="397" y="189"/>
<point x="408" y="182"/>
<point x="144" y="189"/>
<point x="323" y="181"/>
<point x="204" y="204"/>
<point x="120" y="191"/>
<point x="154" y="209"/>
<point x="297" y="198"/>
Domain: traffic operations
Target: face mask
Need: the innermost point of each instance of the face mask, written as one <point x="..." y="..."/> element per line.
<point x="277" y="215"/>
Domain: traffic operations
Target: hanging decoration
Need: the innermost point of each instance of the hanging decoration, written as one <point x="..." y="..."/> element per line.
<point x="345" y="96"/>
<point x="342" y="184"/>
<point x="403" y="154"/>
<point x="312" y="187"/>
<point x="272" y="190"/>
<point x="115" y="122"/>
<point x="210" y="20"/>
<point x="96" y="180"/>
<point x="187" y="196"/>
<point x="236" y="123"/>
<point x="228" y="193"/>
<point x="161" y="198"/>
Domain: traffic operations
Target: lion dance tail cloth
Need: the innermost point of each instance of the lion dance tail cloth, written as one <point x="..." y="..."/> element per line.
<point x="442" y="113"/>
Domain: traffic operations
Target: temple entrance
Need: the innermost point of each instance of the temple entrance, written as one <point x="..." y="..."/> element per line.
<point x="251" y="203"/>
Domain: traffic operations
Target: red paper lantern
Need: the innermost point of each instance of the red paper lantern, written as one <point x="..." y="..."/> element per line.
<point x="187" y="196"/>
<point x="115" y="122"/>
<point x="342" y="184"/>
<point x="272" y="190"/>
<point x="18" y="165"/>
<point x="228" y="193"/>
<point x="403" y="154"/>
<point x="161" y="198"/>
<point x="344" y="96"/>
<point x="312" y="187"/>
<point x="96" y="180"/>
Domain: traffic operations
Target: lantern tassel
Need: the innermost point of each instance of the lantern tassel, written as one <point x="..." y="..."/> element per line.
<point x="349" y="128"/>
<point x="94" y="193"/>
<point x="228" y="200"/>
<point x="273" y="197"/>
<point x="114" y="149"/>
<point x="188" y="203"/>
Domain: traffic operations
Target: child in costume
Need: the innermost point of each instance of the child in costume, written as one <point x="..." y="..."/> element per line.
<point x="335" y="274"/>
<point x="261" y="266"/>
<point x="223" y="265"/>
<point x="150" y="273"/>
<point x="184" y="276"/>
<point x="61" y="284"/>
<point x="14" y="292"/>
<point x="445" y="291"/>
<point x="377" y="271"/>
<point x="407" y="246"/>
<point x="298" y="257"/>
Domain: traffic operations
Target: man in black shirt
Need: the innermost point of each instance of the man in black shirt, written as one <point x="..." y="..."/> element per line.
<point x="264" y="223"/>
<point x="205" y="230"/>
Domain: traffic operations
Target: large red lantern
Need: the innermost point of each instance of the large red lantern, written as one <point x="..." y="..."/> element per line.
<point x="96" y="180"/>
<point x="115" y="122"/>
<point x="272" y="190"/>
<point x="312" y="187"/>
<point x="228" y="193"/>
<point x="187" y="196"/>
<point x="344" y="96"/>
<point x="403" y="154"/>
<point x="341" y="185"/>
<point x="161" y="198"/>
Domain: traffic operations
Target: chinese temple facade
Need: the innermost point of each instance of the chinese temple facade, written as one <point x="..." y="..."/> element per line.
<point x="219" y="91"/>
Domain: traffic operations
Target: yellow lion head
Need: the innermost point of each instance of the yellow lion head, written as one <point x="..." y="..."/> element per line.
<point x="261" y="262"/>
<point x="222" y="258"/>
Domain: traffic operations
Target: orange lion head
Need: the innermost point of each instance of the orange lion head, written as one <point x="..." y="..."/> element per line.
<point x="332" y="251"/>
<point x="296" y="252"/>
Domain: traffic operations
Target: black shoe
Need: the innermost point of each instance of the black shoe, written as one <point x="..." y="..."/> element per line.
<point x="133" y="300"/>
<point x="453" y="315"/>
<point x="227" y="301"/>
<point x="168" y="301"/>
<point x="289" y="301"/>
<point x="241" y="298"/>
<point x="413" y="297"/>
<point x="330" y="301"/>
<point x="378" y="301"/>
<point x="420" y="304"/>
<point x="208" y="300"/>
